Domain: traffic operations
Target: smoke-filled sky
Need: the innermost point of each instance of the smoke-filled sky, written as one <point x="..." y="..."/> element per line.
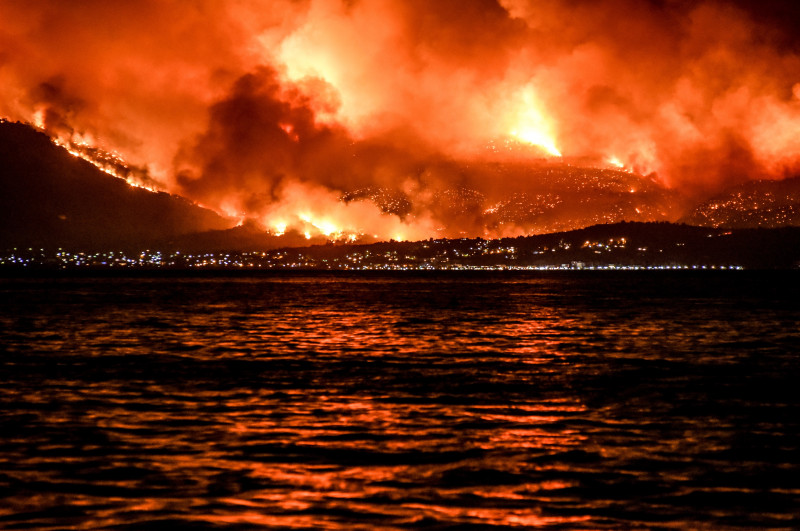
<point x="273" y="109"/>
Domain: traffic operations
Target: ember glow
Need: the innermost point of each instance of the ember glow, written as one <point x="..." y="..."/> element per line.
<point x="83" y="147"/>
<point x="279" y="111"/>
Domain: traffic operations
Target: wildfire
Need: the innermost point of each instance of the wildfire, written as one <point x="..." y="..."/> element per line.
<point x="108" y="163"/>
<point x="37" y="120"/>
<point x="531" y="126"/>
<point x="271" y="110"/>
<point x="279" y="228"/>
<point x="324" y="227"/>
<point x="83" y="147"/>
<point x="614" y="161"/>
<point x="229" y="210"/>
<point x="534" y="137"/>
<point x="316" y="212"/>
<point x="311" y="225"/>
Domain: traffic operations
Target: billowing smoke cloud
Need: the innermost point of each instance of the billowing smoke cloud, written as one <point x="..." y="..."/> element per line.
<point x="276" y="110"/>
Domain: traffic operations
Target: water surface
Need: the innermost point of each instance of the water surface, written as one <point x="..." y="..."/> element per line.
<point x="400" y="401"/>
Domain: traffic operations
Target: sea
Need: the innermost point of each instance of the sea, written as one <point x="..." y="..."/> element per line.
<point x="574" y="400"/>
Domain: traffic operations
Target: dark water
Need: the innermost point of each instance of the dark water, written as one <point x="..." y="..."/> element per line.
<point x="360" y="402"/>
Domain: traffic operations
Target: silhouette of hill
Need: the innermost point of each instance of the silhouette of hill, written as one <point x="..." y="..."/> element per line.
<point x="249" y="236"/>
<point x="623" y="244"/>
<point x="52" y="199"/>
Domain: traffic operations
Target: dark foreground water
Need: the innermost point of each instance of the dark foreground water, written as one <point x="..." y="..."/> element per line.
<point x="440" y="401"/>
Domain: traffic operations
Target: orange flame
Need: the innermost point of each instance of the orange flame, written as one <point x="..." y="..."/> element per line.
<point x="529" y="123"/>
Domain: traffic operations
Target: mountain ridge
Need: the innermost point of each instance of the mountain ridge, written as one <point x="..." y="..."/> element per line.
<point x="52" y="198"/>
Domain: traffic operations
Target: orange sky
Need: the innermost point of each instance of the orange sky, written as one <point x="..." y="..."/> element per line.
<point x="273" y="109"/>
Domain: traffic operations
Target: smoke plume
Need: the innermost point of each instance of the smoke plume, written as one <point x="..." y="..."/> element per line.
<point x="278" y="110"/>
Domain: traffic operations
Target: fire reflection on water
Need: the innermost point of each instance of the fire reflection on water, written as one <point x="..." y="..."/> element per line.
<point x="247" y="456"/>
<point x="294" y="403"/>
<point x="223" y="457"/>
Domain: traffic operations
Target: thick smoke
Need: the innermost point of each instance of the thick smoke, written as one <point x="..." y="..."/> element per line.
<point x="274" y="110"/>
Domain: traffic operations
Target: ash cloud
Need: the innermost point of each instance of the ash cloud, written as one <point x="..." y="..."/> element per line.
<point x="251" y="106"/>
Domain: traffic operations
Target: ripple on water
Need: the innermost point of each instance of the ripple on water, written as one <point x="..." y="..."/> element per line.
<point x="348" y="402"/>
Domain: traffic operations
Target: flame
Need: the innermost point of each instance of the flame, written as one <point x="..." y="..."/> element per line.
<point x="324" y="226"/>
<point x="315" y="211"/>
<point x="110" y="164"/>
<point x="37" y="119"/>
<point x="530" y="125"/>
<point x="279" y="228"/>
<point x="537" y="138"/>
<point x="290" y="132"/>
<point x="614" y="161"/>
<point x="83" y="146"/>
<point x="327" y="228"/>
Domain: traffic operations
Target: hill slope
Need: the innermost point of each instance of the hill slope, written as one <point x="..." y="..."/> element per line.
<point x="49" y="198"/>
<point x="753" y="204"/>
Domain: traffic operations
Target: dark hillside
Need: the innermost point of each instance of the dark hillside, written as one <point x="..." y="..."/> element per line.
<point x="50" y="198"/>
